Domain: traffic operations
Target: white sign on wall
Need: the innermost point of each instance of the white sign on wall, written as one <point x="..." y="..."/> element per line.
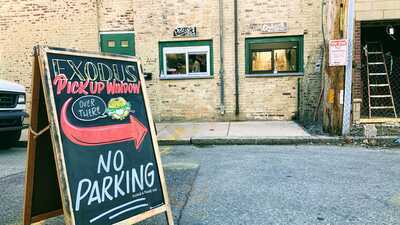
<point x="266" y="28"/>
<point x="281" y="27"/>
<point x="338" y="52"/>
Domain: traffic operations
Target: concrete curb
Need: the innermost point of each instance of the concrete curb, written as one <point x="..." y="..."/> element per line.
<point x="174" y="142"/>
<point x="384" y="141"/>
<point x="264" y="140"/>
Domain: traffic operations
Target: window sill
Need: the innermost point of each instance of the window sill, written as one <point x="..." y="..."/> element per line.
<point x="276" y="75"/>
<point x="185" y="77"/>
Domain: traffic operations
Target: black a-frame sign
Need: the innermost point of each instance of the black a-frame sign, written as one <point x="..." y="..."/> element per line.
<point x="92" y="149"/>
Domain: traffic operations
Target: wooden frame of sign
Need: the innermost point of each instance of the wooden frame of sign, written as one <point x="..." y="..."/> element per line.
<point x="51" y="178"/>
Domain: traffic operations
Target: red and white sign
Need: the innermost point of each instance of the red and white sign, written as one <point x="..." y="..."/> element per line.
<point x="338" y="52"/>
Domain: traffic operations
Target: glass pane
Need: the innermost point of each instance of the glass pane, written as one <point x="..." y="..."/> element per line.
<point x="176" y="63"/>
<point x="197" y="62"/>
<point x="274" y="57"/>
<point x="124" y="44"/>
<point x="111" y="44"/>
<point x="285" y="60"/>
<point x="261" y="61"/>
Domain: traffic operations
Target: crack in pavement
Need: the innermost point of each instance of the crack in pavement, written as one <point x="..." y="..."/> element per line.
<point x="12" y="176"/>
<point x="188" y="195"/>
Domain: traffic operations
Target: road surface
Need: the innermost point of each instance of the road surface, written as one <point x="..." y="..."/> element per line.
<point x="247" y="185"/>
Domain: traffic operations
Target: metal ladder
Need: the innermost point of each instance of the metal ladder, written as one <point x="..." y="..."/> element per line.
<point x="378" y="69"/>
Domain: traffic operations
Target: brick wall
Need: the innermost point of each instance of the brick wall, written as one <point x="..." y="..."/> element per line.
<point x="277" y="98"/>
<point x="194" y="99"/>
<point x="76" y="24"/>
<point x="274" y="98"/>
<point x="25" y="23"/>
<point x="116" y="15"/>
<point x="377" y="10"/>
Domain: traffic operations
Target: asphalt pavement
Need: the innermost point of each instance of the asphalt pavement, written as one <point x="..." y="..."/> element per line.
<point x="223" y="185"/>
<point x="292" y="185"/>
<point x="179" y="178"/>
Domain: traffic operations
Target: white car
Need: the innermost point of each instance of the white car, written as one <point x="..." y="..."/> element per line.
<point x="12" y="112"/>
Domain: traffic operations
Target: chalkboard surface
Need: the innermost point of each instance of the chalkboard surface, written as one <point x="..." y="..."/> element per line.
<point x="104" y="146"/>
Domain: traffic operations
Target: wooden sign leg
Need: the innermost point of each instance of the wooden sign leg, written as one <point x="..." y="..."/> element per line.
<point x="170" y="217"/>
<point x="40" y="160"/>
<point x="30" y="160"/>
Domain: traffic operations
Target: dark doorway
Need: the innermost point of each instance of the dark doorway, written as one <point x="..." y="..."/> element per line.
<point x="380" y="46"/>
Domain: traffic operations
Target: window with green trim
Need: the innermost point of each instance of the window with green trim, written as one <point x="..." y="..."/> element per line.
<point x="118" y="43"/>
<point x="186" y="59"/>
<point x="274" y="55"/>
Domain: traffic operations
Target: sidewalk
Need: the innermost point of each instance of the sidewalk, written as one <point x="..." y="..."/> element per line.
<point x="188" y="133"/>
<point x="239" y="133"/>
<point x="246" y="132"/>
<point x="254" y="133"/>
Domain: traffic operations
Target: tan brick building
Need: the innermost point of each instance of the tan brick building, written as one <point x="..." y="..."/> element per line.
<point x="23" y="24"/>
<point x="190" y="58"/>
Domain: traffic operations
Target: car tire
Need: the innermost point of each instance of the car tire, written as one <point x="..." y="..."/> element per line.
<point x="9" y="139"/>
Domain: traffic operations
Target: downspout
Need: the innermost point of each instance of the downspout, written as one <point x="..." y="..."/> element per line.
<point x="98" y="2"/>
<point x="221" y="57"/>
<point x="236" y="58"/>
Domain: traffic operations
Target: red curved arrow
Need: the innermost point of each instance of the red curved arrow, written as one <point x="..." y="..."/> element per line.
<point x="101" y="135"/>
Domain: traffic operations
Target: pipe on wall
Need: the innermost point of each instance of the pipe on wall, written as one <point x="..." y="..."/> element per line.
<point x="221" y="57"/>
<point x="98" y="2"/>
<point x="237" y="110"/>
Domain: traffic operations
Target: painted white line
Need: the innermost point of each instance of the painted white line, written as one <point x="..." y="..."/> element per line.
<point x="126" y="210"/>
<point x="116" y="208"/>
<point x="156" y="206"/>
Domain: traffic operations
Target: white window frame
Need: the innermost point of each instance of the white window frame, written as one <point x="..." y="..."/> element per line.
<point x="186" y="51"/>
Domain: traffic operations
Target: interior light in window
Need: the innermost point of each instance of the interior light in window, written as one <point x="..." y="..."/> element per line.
<point x="111" y="44"/>
<point x="262" y="61"/>
<point x="124" y="44"/>
<point x="273" y="57"/>
<point x="285" y="60"/>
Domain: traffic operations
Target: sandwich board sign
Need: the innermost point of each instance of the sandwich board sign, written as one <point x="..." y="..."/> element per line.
<point x="92" y="149"/>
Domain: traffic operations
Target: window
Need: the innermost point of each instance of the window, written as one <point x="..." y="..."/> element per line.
<point x="125" y="44"/>
<point x="118" y="42"/>
<point x="111" y="44"/>
<point x="186" y="59"/>
<point x="274" y="56"/>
